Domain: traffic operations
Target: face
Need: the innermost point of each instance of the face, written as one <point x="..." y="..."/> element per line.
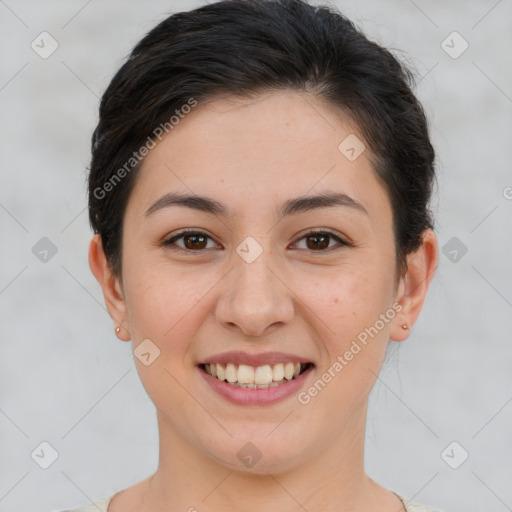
<point x="265" y="277"/>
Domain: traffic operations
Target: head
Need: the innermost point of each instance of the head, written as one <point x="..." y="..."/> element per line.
<point x="275" y="119"/>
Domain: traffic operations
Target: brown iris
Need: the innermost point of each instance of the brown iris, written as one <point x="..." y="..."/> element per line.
<point x="196" y="241"/>
<point x="320" y="241"/>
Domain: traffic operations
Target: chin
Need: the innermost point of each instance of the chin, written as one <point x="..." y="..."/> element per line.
<point x="259" y="455"/>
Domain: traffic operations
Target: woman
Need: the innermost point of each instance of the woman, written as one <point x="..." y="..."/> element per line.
<point x="259" y="191"/>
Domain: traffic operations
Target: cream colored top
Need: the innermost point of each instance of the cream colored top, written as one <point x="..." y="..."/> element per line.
<point x="102" y="506"/>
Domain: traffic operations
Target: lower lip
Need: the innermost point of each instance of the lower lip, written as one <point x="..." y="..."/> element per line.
<point x="250" y="396"/>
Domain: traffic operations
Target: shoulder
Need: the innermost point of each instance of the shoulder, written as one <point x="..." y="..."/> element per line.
<point x="97" y="506"/>
<point x="413" y="506"/>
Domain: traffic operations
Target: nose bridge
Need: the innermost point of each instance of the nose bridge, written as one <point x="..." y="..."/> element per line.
<point x="254" y="298"/>
<point x="255" y="278"/>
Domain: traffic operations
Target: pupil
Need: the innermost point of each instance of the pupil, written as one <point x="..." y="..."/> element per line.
<point x="195" y="239"/>
<point x="317" y="244"/>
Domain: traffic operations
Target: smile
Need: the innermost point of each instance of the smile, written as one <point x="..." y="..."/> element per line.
<point x="255" y="377"/>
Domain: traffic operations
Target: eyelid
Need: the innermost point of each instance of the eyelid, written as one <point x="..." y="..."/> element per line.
<point x="342" y="242"/>
<point x="315" y="231"/>
<point x="170" y="241"/>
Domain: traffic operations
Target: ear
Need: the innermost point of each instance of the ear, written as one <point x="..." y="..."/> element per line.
<point x="413" y="286"/>
<point x="112" y="288"/>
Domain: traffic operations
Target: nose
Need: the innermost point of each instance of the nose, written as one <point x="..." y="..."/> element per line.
<point x="254" y="297"/>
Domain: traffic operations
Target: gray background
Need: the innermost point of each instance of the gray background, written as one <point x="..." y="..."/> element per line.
<point x="67" y="380"/>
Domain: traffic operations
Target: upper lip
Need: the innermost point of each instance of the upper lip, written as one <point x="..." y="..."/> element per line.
<point x="264" y="358"/>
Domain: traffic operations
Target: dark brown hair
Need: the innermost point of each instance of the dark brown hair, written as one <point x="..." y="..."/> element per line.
<point x="246" y="47"/>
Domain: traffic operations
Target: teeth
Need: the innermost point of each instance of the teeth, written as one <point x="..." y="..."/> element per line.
<point x="278" y="372"/>
<point x="221" y="373"/>
<point x="288" y="371"/>
<point x="231" y="373"/>
<point x="246" y="374"/>
<point x="263" y="375"/>
<point x="259" y="377"/>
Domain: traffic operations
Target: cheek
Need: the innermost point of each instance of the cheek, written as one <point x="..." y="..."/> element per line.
<point x="164" y="307"/>
<point x="349" y="302"/>
<point x="169" y="305"/>
<point x="346" y="297"/>
<point x="354" y="344"/>
<point x="162" y="301"/>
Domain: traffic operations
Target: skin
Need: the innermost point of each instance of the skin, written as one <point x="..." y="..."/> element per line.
<point x="252" y="155"/>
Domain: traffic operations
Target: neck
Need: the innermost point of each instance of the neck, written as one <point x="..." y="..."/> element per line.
<point x="332" y="478"/>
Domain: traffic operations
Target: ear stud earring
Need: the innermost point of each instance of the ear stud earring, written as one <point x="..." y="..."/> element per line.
<point x="405" y="326"/>
<point x="118" y="329"/>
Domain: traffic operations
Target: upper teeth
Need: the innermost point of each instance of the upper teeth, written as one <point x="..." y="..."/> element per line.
<point x="250" y="376"/>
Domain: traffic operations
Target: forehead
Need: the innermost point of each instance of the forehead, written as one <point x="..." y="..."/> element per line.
<point x="249" y="153"/>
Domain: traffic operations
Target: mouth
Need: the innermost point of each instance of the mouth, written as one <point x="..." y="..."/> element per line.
<point x="255" y="377"/>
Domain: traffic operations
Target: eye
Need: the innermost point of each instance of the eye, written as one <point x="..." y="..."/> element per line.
<point x="192" y="240"/>
<point x="318" y="241"/>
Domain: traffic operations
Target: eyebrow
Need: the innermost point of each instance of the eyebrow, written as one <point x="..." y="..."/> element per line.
<point x="289" y="207"/>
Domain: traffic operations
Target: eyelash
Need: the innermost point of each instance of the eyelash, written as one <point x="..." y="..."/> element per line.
<point x="170" y="242"/>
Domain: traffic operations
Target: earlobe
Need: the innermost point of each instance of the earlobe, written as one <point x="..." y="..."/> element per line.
<point x="413" y="287"/>
<point x="110" y="286"/>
